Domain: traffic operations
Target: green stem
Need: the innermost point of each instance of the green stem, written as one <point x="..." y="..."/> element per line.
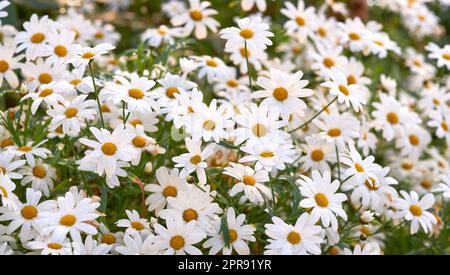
<point x="248" y="67"/>
<point x="316" y="115"/>
<point x="338" y="162"/>
<point x="96" y="95"/>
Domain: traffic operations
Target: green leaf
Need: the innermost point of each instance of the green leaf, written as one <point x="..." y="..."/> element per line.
<point x="224" y="229"/>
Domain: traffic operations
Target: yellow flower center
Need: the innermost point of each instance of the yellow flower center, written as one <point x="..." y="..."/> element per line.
<point x="414" y="140"/>
<point x="45" y="78"/>
<point x="248" y="180"/>
<point x="317" y="155"/>
<point x="29" y="212"/>
<point x="75" y="82"/>
<point x="209" y="125"/>
<point x="196" y="15"/>
<point x="71" y="112"/>
<point x="137" y="225"/>
<point x="246" y="33"/>
<point x="88" y="55"/>
<point x="177" y="242"/>
<point x="54" y="246"/>
<point x="4" y="191"/>
<point x="351" y="80"/>
<point x="343" y="89"/>
<point x="392" y="118"/>
<point x="136" y="122"/>
<point x="171" y="91"/>
<point x="300" y="21"/>
<point x="334" y="132"/>
<point x="359" y="167"/>
<point x="139" y="141"/>
<point x="211" y="63"/>
<point x="444" y="126"/>
<point x="189" y="215"/>
<point x="104" y="108"/>
<point x="232" y="235"/>
<point x="259" y="130"/>
<point x="267" y="154"/>
<point x="416" y="210"/>
<point x="46" y="92"/>
<point x="99" y="35"/>
<point x="294" y="238"/>
<point x="39" y="171"/>
<point x="426" y="183"/>
<point x="25" y="148"/>
<point x="37" y="38"/>
<point x="328" y="62"/>
<point x="407" y="165"/>
<point x="108" y="239"/>
<point x="136" y="93"/>
<point x="242" y="51"/>
<point x="6" y="142"/>
<point x="170" y="191"/>
<point x="233" y="83"/>
<point x="4" y="66"/>
<point x="321" y="200"/>
<point x="371" y="184"/>
<point x="354" y="36"/>
<point x="68" y="220"/>
<point x="60" y="51"/>
<point x="446" y="56"/>
<point x="280" y="94"/>
<point x="196" y="159"/>
<point x="322" y="31"/>
<point x="109" y="148"/>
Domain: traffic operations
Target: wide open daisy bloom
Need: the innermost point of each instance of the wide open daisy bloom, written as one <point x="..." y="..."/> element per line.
<point x="251" y="32"/>
<point x="9" y="63"/>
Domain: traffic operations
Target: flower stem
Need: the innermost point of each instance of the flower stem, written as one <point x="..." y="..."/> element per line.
<point x="316" y="115"/>
<point x="338" y="162"/>
<point x="96" y="95"/>
<point x="248" y="67"/>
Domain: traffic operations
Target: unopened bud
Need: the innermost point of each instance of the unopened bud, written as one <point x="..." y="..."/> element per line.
<point x="366" y="217"/>
<point x="148" y="169"/>
<point x="363" y="237"/>
<point x="190" y="179"/>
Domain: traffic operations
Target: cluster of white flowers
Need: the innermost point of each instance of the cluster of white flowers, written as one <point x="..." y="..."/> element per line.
<point x="292" y="146"/>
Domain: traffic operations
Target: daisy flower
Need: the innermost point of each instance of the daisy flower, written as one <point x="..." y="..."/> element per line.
<point x="358" y="168"/>
<point x="440" y="121"/>
<point x="412" y="209"/>
<point x="353" y="33"/>
<point x="27" y="214"/>
<point x="283" y="90"/>
<point x="300" y="18"/>
<point x="367" y="249"/>
<point x="51" y="246"/>
<point x="30" y="151"/>
<point x="168" y="185"/>
<point x="178" y="237"/>
<point x="135" y="245"/>
<point x="350" y="94"/>
<point x="114" y="239"/>
<point x="211" y="67"/>
<point x="183" y="112"/>
<point x="50" y="93"/>
<point x="247" y="5"/>
<point x="337" y="128"/>
<point x="251" y="31"/>
<point x="198" y="17"/>
<point x="269" y="156"/>
<point x="41" y="73"/>
<point x="71" y="216"/>
<point x="90" y="247"/>
<point x="8" y="164"/>
<point x="170" y="85"/>
<point x="143" y="143"/>
<point x="134" y="224"/>
<point x="318" y="154"/>
<point x="239" y="57"/>
<point x="8" y="34"/>
<point x="8" y="198"/>
<point x="40" y="175"/>
<point x="173" y="7"/>
<point x="445" y="186"/>
<point x="193" y="205"/>
<point x="413" y="140"/>
<point x="303" y="238"/>
<point x="8" y="63"/>
<point x="62" y="46"/>
<point x="84" y="55"/>
<point x="250" y="182"/>
<point x="326" y="58"/>
<point x="72" y="115"/>
<point x="442" y="55"/>
<point x="34" y="38"/>
<point x="365" y="139"/>
<point x="320" y="194"/>
<point x="238" y="234"/>
<point x="108" y="149"/>
<point x="163" y="34"/>
<point x="194" y="160"/>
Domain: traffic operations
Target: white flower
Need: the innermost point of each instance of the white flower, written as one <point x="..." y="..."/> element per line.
<point x="62" y="46"/>
<point x="442" y="55"/>
<point x="8" y="198"/>
<point x="367" y="249"/>
<point x="247" y="5"/>
<point x="8" y="63"/>
<point x="90" y="247"/>
<point x="303" y="238"/>
<point x="34" y="39"/>
<point x="412" y="209"/>
<point x="251" y="31"/>
<point x="30" y="151"/>
<point x="269" y="156"/>
<point x="135" y="245"/>
<point x="238" y="234"/>
<point x="8" y="164"/>
<point x="51" y="246"/>
<point x="134" y="224"/>
<point x="320" y="195"/>
<point x="318" y="154"/>
<point x="445" y="186"/>
<point x="300" y="18"/>
<point x="83" y="56"/>
<point x="40" y="175"/>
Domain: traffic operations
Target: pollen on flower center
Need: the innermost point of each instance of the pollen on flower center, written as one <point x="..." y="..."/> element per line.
<point x="267" y="154"/>
<point x="29" y="212"/>
<point x="209" y="125"/>
<point x="246" y="33"/>
<point x="280" y="94"/>
<point x="71" y="112"/>
<point x="37" y="38"/>
<point x="54" y="246"/>
<point x="4" y="66"/>
<point x="351" y="79"/>
<point x="136" y="93"/>
<point x="108" y="239"/>
<point x="137" y="225"/>
<point x="248" y="180"/>
<point x="6" y="142"/>
<point x="39" y="171"/>
<point x="300" y="21"/>
<point x="60" y="51"/>
<point x="294" y="238"/>
<point x="170" y="191"/>
<point x="109" y="148"/>
<point x="343" y="89"/>
<point x="392" y="118"/>
<point x="46" y="92"/>
<point x="99" y="35"/>
<point x="104" y="108"/>
<point x="328" y="62"/>
<point x="426" y="183"/>
<point x="354" y="36"/>
<point x="322" y="31"/>
<point x="259" y="130"/>
<point x="45" y="78"/>
<point x="407" y="165"/>
<point x="414" y="140"/>
<point x="416" y="210"/>
<point x="75" y="82"/>
<point x="196" y="15"/>
<point x="136" y="122"/>
<point x="139" y="141"/>
<point x="321" y="200"/>
<point x="232" y="235"/>
<point x="189" y="215"/>
<point x="171" y="91"/>
<point x="359" y="167"/>
<point x="334" y="132"/>
<point x="68" y="220"/>
<point x="196" y="159"/>
<point x="446" y="56"/>
<point x="88" y="55"/>
<point x="25" y="148"/>
<point x="211" y="63"/>
<point x="177" y="242"/>
<point x="371" y="184"/>
<point x="233" y="83"/>
<point x="317" y="155"/>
